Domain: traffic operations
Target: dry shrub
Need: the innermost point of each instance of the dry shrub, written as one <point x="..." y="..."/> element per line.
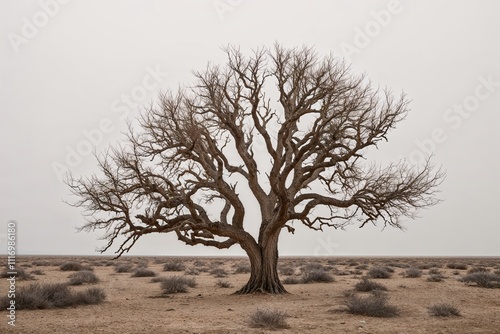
<point x="379" y="272"/>
<point x="81" y="277"/>
<point x="21" y="274"/>
<point x="458" y="266"/>
<point x="413" y="272"/>
<point x="291" y="280"/>
<point x="477" y="270"/>
<point x="218" y="272"/>
<point x="443" y="310"/>
<point x="270" y="319"/>
<point x="176" y="284"/>
<point x="223" y="284"/>
<point x="435" y="278"/>
<point x="483" y="279"/>
<point x="52" y="295"/>
<point x="374" y="305"/>
<point x="37" y="272"/>
<point x="174" y="265"/>
<point x="123" y="267"/>
<point x="71" y="266"/>
<point x="242" y="269"/>
<point x="143" y="272"/>
<point x="317" y="276"/>
<point x="366" y="285"/>
<point x="287" y="270"/>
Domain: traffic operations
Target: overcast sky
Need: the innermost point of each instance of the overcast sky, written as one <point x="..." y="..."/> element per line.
<point x="72" y="72"/>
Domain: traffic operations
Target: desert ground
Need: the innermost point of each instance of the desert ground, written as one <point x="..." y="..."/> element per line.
<point x="138" y="305"/>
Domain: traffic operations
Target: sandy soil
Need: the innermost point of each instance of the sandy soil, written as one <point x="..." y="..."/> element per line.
<point x="136" y="305"/>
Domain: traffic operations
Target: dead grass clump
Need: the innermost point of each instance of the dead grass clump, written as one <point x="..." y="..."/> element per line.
<point x="379" y="272"/>
<point x="52" y="295"/>
<point x="374" y="305"/>
<point x="218" y="272"/>
<point x="242" y="269"/>
<point x="458" y="266"/>
<point x="443" y="310"/>
<point x="90" y="296"/>
<point x="143" y="272"/>
<point x="317" y="276"/>
<point x="287" y="270"/>
<point x="20" y="274"/>
<point x="192" y="271"/>
<point x="125" y="267"/>
<point x="176" y="284"/>
<point x="41" y="263"/>
<point x="291" y="280"/>
<point x="312" y="266"/>
<point x="366" y="285"/>
<point x="174" y="265"/>
<point x="434" y="271"/>
<point x="71" y="266"/>
<point x="483" y="279"/>
<point x="81" y="277"/>
<point x="477" y="270"/>
<point x="435" y="278"/>
<point x="413" y="272"/>
<point x="269" y="319"/>
<point x="223" y="284"/>
<point x="37" y="272"/>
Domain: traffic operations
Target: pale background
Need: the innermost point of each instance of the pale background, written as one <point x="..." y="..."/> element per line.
<point x="67" y="76"/>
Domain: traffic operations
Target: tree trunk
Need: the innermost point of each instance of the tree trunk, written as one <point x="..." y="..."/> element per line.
<point x="264" y="268"/>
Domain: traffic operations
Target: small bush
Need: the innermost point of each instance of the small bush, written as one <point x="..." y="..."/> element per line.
<point x="291" y="280"/>
<point x="199" y="263"/>
<point x="174" y="265"/>
<point x="458" y="266"/>
<point x="362" y="267"/>
<point x="218" y="272"/>
<point x="366" y="285"/>
<point x="143" y="272"/>
<point x="434" y="271"/>
<point x="312" y="266"/>
<point x="41" y="263"/>
<point x="477" y="270"/>
<point x="287" y="271"/>
<point x="443" y="310"/>
<point x="124" y="267"/>
<point x="81" y="277"/>
<point x="176" y="284"/>
<point x="71" y="266"/>
<point x="317" y="276"/>
<point x="52" y="295"/>
<point x="374" y="305"/>
<point x="435" y="278"/>
<point x="483" y="279"/>
<point x="37" y="272"/>
<point x="268" y="319"/>
<point x="21" y="274"/>
<point x="192" y="271"/>
<point x="242" y="269"/>
<point x="413" y="272"/>
<point x="223" y="284"/>
<point x="379" y="272"/>
<point x="424" y="266"/>
<point x="90" y="296"/>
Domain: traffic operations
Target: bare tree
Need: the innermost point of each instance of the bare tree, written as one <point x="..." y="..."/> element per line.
<point x="194" y="167"/>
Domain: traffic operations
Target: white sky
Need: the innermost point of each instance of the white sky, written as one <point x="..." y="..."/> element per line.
<point x="64" y="74"/>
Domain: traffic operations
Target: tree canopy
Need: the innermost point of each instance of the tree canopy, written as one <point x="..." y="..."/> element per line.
<point x="283" y="126"/>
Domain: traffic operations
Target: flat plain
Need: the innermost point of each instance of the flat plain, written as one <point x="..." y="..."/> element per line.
<point x="137" y="302"/>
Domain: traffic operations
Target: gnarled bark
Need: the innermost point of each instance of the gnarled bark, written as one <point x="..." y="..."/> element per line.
<point x="264" y="268"/>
